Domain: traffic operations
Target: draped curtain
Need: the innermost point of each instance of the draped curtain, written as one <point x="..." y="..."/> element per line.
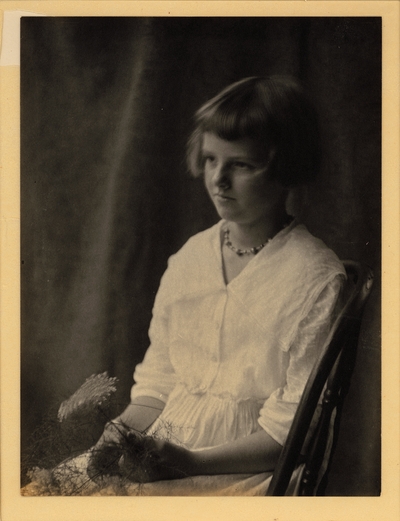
<point x="106" y="109"/>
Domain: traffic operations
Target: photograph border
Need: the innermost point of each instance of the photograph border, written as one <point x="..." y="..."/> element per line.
<point x="13" y="506"/>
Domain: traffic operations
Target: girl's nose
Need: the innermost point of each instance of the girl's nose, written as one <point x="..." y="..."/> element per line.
<point x="221" y="176"/>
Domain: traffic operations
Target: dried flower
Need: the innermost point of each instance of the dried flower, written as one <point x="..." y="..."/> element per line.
<point x="93" y="392"/>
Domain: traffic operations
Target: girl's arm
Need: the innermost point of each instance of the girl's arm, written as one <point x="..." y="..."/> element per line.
<point x="141" y="413"/>
<point x="255" y="453"/>
<point x="137" y="417"/>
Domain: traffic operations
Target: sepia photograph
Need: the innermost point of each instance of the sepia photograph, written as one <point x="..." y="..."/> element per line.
<point x="201" y="256"/>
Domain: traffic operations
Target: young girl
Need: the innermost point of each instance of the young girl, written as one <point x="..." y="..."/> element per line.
<point x="242" y="310"/>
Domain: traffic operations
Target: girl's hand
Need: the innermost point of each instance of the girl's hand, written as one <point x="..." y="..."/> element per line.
<point x="108" y="450"/>
<point x="157" y="460"/>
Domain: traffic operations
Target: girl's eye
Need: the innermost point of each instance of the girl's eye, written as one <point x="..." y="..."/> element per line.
<point x="210" y="160"/>
<point x="240" y="165"/>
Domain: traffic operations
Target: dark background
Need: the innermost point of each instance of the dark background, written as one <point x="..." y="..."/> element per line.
<point x="106" y="107"/>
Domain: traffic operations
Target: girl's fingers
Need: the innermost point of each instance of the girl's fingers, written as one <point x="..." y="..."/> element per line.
<point x="103" y="461"/>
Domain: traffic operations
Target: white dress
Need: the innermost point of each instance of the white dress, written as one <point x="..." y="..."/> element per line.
<point x="231" y="359"/>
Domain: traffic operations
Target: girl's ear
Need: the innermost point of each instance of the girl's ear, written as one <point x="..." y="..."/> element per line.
<point x="296" y="201"/>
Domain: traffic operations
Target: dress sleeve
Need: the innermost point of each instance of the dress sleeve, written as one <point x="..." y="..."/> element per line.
<point x="278" y="411"/>
<point x="155" y="376"/>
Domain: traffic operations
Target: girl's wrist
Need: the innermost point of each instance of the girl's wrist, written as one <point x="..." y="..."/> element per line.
<point x="195" y="463"/>
<point x="140" y="414"/>
<point x="126" y="417"/>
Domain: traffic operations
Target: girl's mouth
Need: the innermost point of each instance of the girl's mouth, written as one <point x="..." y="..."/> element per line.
<point x="223" y="197"/>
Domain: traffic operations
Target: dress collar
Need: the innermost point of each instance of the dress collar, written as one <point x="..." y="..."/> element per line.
<point x="276" y="242"/>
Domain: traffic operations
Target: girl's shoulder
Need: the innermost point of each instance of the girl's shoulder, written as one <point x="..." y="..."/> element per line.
<point x="204" y="244"/>
<point x="311" y="250"/>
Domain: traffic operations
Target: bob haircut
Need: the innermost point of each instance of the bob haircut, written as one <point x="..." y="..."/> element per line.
<point x="275" y="112"/>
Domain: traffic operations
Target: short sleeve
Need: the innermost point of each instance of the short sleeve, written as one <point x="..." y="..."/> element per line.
<point x="278" y="411"/>
<point x="155" y="376"/>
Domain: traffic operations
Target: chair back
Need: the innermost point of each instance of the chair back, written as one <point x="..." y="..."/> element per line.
<point x="331" y="376"/>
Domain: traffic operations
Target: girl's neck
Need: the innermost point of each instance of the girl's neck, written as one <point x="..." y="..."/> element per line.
<point x="254" y="234"/>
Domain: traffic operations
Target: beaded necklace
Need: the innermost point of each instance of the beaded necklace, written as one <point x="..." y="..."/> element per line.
<point x="250" y="251"/>
<point x="239" y="251"/>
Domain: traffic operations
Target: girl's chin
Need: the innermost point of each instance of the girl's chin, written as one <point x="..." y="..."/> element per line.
<point x="232" y="215"/>
<point x="225" y="211"/>
<point x="227" y="216"/>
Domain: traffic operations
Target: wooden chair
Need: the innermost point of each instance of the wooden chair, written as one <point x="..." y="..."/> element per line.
<point x="330" y="376"/>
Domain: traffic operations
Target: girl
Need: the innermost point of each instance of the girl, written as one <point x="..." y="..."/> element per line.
<point x="242" y="310"/>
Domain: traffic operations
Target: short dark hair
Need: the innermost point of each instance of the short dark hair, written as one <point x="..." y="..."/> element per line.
<point x="276" y="113"/>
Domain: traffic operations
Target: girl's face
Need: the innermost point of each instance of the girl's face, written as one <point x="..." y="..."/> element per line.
<point x="239" y="183"/>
